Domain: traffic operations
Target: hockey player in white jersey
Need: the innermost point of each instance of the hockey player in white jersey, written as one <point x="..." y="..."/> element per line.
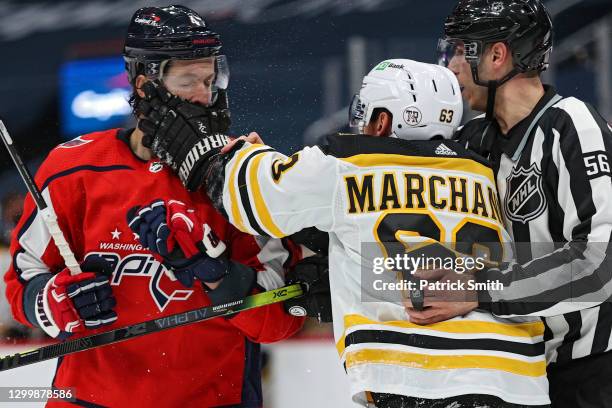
<point x="399" y="183"/>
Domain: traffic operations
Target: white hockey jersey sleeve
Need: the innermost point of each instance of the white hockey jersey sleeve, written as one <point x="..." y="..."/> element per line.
<point x="268" y="193"/>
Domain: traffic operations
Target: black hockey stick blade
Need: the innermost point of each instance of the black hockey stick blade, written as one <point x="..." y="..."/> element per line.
<point x="150" y="326"/>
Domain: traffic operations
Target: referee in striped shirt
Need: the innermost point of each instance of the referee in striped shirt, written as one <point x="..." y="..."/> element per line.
<point x="551" y="156"/>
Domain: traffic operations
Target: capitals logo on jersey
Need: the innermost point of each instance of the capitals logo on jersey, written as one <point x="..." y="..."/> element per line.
<point x="525" y="200"/>
<point x="145" y="266"/>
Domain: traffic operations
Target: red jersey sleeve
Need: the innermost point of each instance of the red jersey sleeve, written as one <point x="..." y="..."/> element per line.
<point x="32" y="249"/>
<point x="269" y="257"/>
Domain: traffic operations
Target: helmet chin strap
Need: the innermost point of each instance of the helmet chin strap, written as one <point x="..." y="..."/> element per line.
<point x="492" y="88"/>
<point x="491" y="92"/>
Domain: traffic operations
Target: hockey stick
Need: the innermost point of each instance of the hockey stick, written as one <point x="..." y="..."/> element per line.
<point x="127" y="332"/>
<point x="46" y="212"/>
<point x="149" y="326"/>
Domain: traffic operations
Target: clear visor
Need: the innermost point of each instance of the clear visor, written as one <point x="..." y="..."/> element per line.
<point x="357" y="111"/>
<point x="452" y="48"/>
<point x="197" y="80"/>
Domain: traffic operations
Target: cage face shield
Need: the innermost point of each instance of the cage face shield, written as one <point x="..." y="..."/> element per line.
<point x="198" y="78"/>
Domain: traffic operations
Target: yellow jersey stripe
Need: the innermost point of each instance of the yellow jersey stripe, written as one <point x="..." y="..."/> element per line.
<point x="525" y="330"/>
<point x="433" y="362"/>
<point x="447" y="163"/>
<point x="260" y="206"/>
<point x="235" y="202"/>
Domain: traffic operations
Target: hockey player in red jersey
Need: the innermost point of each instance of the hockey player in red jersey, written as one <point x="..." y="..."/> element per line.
<point x="91" y="183"/>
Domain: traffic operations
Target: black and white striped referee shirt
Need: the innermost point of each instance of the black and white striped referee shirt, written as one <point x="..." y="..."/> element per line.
<point x="555" y="188"/>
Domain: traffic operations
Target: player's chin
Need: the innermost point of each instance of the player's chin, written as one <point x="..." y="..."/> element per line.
<point x="466" y="95"/>
<point x="470" y="99"/>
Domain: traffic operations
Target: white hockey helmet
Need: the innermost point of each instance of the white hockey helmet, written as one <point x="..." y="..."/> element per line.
<point x="424" y="99"/>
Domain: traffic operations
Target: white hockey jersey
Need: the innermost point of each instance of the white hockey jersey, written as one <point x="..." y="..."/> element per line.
<point x="367" y="191"/>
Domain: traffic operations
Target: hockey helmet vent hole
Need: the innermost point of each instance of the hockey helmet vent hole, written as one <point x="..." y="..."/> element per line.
<point x="433" y="81"/>
<point x="414" y="97"/>
<point x="399" y="125"/>
<point x="453" y="88"/>
<point x="412" y="87"/>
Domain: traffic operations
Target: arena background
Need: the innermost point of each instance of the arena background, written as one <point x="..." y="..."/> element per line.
<point x="294" y="67"/>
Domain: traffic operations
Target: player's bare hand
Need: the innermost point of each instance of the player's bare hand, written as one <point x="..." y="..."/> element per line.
<point x="445" y="285"/>
<point x="446" y="294"/>
<point x="440" y="311"/>
<point x="252" y="138"/>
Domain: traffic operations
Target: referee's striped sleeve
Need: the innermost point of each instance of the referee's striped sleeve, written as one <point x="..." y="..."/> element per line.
<point x="578" y="274"/>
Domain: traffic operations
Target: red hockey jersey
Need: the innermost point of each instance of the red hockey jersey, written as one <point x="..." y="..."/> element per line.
<point x="91" y="182"/>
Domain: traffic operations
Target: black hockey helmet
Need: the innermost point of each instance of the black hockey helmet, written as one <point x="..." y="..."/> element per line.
<point x="158" y="34"/>
<point x="524" y="25"/>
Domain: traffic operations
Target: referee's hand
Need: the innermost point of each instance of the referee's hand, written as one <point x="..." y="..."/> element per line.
<point x="446" y="295"/>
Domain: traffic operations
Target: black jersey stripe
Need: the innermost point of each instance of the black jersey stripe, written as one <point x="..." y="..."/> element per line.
<point x="574" y="322"/>
<point x="548" y="333"/>
<point x="580" y="187"/>
<point x="520" y="230"/>
<point x="603" y="329"/>
<point x="76" y="169"/>
<point x="551" y="190"/>
<point x="243" y="192"/>
<point x="349" y="145"/>
<point x="442" y="343"/>
<point x="534" y="267"/>
<point x="594" y="281"/>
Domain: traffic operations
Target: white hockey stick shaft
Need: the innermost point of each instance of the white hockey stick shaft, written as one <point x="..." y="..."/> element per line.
<point x="46" y="212"/>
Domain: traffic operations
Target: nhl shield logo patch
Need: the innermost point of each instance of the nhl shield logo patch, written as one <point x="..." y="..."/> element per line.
<point x="525" y="198"/>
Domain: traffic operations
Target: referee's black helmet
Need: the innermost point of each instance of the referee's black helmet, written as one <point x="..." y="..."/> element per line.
<point x="524" y="25"/>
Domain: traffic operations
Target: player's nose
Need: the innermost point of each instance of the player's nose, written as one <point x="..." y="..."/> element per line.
<point x="454" y="65"/>
<point x="202" y="96"/>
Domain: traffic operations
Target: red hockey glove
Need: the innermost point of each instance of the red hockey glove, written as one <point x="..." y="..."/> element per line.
<point x="71" y="304"/>
<point x="186" y="245"/>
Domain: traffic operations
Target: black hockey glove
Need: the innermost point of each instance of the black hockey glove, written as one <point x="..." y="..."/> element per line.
<point x="313" y="239"/>
<point x="182" y="134"/>
<point x="239" y="282"/>
<point x="313" y="274"/>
